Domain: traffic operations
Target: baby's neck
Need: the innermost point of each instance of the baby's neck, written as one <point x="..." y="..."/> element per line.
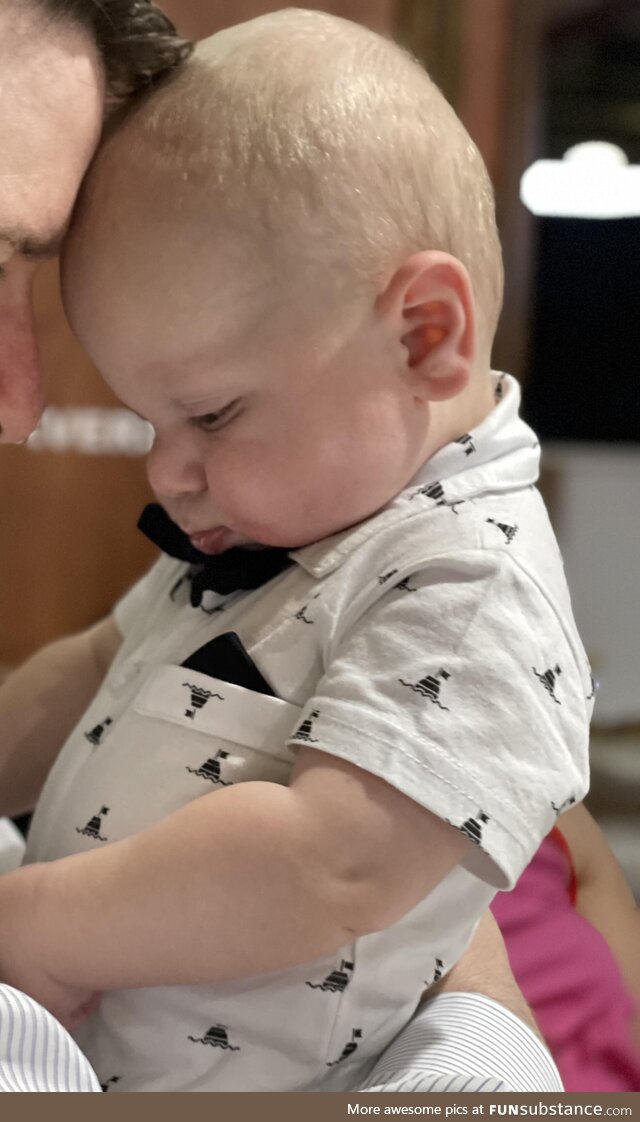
<point x="452" y="419"/>
<point x="475" y="405"/>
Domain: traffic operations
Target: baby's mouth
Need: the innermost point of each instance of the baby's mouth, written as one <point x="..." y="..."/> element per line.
<point x="212" y="541"/>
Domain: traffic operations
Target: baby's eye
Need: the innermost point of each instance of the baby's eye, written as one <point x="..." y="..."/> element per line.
<point x="210" y="422"/>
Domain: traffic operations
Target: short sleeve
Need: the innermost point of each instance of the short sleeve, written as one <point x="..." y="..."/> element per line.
<point x="460" y="687"/>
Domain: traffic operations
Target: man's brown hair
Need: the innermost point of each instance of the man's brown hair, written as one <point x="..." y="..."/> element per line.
<point x="137" y="43"/>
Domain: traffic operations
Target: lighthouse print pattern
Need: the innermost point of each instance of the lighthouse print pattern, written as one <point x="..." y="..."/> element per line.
<point x="563" y="805"/>
<point x="349" y="1048"/>
<point x="95" y="735"/>
<point x="337" y="981"/>
<point x="429" y="687"/>
<point x="217" y="1036"/>
<point x="467" y="443"/>
<point x="436" y="492"/>
<point x="304" y="732"/>
<point x="210" y="769"/>
<point x="472" y="828"/>
<point x="549" y="679"/>
<point x="199" y="698"/>
<point x="94" y="826"/>
<point x="508" y="531"/>
<point x="438" y="971"/>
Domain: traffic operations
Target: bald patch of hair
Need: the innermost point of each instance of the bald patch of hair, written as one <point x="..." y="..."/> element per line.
<point x="317" y="132"/>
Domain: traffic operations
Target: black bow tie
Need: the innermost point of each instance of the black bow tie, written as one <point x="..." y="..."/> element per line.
<point x="224" y="572"/>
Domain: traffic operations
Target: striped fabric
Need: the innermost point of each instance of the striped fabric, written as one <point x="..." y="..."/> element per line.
<point x="36" y="1053"/>
<point x="465" y="1042"/>
<point x="459" y="1042"/>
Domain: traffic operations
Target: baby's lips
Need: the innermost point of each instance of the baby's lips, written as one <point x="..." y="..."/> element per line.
<point x="211" y="541"/>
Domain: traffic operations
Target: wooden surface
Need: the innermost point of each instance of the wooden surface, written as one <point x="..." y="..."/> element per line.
<point x="199" y="18"/>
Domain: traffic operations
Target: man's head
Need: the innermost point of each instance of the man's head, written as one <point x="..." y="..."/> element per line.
<point x="287" y="261"/>
<point x="62" y="62"/>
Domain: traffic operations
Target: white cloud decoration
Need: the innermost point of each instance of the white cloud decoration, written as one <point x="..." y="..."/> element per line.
<point x="592" y="180"/>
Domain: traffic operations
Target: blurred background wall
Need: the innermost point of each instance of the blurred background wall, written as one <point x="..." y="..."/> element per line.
<point x="529" y="80"/>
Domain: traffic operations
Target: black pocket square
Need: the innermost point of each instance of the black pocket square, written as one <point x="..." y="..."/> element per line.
<point x="225" y="658"/>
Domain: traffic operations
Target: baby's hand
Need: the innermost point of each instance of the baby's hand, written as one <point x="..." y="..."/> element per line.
<point x="23" y="937"/>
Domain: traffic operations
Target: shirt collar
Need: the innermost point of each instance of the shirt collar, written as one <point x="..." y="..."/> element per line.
<point x="500" y="454"/>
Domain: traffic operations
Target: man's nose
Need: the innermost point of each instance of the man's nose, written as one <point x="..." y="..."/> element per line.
<point x="173" y="468"/>
<point x="21" y="385"/>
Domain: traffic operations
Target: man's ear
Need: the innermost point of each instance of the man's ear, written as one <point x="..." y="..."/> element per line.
<point x="430" y="302"/>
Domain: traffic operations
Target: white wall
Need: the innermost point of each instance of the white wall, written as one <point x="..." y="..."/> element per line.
<point x="595" y="508"/>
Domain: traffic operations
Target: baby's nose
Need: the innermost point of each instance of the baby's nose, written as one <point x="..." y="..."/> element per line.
<point x="173" y="468"/>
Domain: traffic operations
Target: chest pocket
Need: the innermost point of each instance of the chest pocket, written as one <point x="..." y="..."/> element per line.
<point x="186" y="734"/>
<point x="198" y="709"/>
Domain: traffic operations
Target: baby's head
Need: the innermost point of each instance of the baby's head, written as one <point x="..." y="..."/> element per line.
<point x="286" y="260"/>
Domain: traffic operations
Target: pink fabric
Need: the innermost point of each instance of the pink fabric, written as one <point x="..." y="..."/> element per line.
<point x="569" y="977"/>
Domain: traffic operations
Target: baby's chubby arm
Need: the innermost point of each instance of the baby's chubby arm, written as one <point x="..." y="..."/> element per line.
<point x="41" y="702"/>
<point x="249" y="879"/>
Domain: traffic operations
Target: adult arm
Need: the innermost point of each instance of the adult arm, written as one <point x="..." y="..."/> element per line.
<point x="485" y="968"/>
<point x="475" y="1033"/>
<point x="41" y="702"/>
<point x="604" y="897"/>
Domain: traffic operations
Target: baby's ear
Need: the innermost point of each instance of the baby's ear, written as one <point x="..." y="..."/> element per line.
<point x="430" y="303"/>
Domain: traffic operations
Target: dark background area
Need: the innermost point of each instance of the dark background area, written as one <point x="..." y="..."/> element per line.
<point x="584" y="377"/>
<point x="583" y="357"/>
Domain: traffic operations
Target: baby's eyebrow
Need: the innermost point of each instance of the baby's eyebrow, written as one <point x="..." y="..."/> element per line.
<point x="210" y="402"/>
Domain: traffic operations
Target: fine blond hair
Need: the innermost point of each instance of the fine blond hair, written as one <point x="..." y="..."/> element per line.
<point x="316" y="130"/>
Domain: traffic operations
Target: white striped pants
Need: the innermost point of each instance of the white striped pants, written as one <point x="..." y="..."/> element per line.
<point x="458" y="1042"/>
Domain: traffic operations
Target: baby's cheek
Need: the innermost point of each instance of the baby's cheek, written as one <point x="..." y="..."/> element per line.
<point x="271" y="503"/>
<point x="242" y="487"/>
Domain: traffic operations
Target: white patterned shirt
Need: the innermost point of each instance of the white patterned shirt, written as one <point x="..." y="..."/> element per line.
<point x="432" y="645"/>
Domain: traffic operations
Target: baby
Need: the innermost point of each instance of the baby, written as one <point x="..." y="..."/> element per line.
<point x="349" y="705"/>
